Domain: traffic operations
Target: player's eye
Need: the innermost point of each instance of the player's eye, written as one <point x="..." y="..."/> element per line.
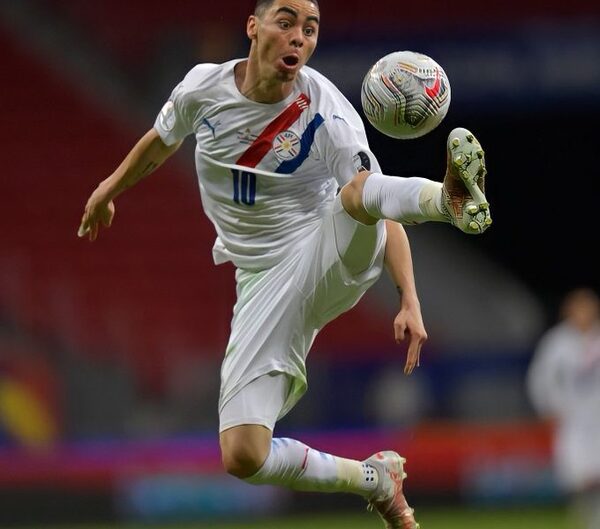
<point x="285" y="24"/>
<point x="309" y="31"/>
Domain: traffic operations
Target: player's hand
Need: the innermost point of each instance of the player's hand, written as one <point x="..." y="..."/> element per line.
<point x="98" y="211"/>
<point x="409" y="322"/>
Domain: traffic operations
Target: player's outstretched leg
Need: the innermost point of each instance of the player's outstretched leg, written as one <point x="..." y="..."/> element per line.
<point x="459" y="200"/>
<point x="463" y="197"/>
<point x="388" y="499"/>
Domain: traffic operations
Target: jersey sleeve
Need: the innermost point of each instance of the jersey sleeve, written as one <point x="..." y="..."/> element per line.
<point x="176" y="118"/>
<point x="344" y="143"/>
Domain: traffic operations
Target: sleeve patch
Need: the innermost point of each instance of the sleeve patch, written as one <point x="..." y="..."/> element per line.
<point x="167" y="116"/>
<point x="361" y="161"/>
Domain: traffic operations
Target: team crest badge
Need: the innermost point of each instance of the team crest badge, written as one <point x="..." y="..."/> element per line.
<point x="286" y="145"/>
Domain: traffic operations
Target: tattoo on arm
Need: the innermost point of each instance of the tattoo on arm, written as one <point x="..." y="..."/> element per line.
<point x="148" y="169"/>
<point x="135" y="178"/>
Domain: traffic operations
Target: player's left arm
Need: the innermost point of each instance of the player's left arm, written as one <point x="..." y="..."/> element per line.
<point x="409" y="321"/>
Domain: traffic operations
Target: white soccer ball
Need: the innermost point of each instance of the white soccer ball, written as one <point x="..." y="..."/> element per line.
<point x="405" y="94"/>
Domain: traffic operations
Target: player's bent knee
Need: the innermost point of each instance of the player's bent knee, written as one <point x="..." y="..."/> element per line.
<point x="244" y="449"/>
<point x="241" y="461"/>
<point x="352" y="199"/>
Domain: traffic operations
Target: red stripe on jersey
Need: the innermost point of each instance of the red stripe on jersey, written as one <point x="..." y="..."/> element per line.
<point x="303" y="465"/>
<point x="263" y="143"/>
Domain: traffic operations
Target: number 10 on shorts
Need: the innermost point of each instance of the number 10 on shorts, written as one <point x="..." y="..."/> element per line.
<point x="244" y="187"/>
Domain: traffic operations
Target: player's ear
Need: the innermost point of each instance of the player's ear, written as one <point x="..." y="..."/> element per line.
<point x="251" y="27"/>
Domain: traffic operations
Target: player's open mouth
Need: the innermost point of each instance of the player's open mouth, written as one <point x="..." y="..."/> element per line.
<point x="290" y="60"/>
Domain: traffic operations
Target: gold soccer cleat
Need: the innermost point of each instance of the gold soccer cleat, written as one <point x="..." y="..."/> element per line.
<point x="388" y="500"/>
<point x="463" y="189"/>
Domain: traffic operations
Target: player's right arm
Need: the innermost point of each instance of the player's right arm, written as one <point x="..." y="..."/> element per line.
<point x="149" y="153"/>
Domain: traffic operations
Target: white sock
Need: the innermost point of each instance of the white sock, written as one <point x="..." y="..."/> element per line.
<point x="299" y="467"/>
<point x="407" y="200"/>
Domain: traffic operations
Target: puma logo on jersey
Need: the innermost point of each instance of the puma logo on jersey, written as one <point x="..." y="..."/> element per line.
<point x="211" y="126"/>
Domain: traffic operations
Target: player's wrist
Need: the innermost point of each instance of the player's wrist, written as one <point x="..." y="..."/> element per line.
<point x="407" y="297"/>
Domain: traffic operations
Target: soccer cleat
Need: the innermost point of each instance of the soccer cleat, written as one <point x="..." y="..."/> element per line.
<point x="388" y="499"/>
<point x="463" y="198"/>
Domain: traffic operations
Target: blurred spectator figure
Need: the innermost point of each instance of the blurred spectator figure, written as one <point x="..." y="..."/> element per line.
<point x="564" y="386"/>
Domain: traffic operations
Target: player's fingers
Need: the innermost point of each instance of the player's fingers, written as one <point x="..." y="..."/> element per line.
<point x="414" y="352"/>
<point x="400" y="333"/>
<point x="82" y="230"/>
<point x="93" y="232"/>
<point x="412" y="358"/>
<point x="83" y="225"/>
<point x="110" y="213"/>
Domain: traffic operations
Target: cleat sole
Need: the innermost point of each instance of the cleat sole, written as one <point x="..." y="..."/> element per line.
<point x="467" y="160"/>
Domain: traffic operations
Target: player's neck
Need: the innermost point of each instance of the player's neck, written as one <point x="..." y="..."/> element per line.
<point x="259" y="88"/>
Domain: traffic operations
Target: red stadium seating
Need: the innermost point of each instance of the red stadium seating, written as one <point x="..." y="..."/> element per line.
<point x="142" y="283"/>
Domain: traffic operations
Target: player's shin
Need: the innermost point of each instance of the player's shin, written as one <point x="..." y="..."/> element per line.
<point x="297" y="466"/>
<point x="406" y="200"/>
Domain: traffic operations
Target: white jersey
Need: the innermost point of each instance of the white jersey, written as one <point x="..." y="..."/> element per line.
<point x="564" y="383"/>
<point x="267" y="172"/>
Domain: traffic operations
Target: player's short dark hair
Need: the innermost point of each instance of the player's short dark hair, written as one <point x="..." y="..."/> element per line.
<point x="263" y="5"/>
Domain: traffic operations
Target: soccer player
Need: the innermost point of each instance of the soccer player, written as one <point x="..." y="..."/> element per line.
<point x="563" y="381"/>
<point x="302" y="210"/>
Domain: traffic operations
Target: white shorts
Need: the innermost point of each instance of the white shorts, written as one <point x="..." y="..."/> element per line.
<point x="279" y="311"/>
<point x="259" y="402"/>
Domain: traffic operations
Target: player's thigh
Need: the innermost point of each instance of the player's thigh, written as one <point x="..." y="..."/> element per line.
<point x="346" y="260"/>
<point x="357" y="245"/>
<point x="267" y="330"/>
<point x="257" y="403"/>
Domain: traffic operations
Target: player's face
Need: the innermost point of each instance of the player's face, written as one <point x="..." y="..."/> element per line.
<point x="284" y="37"/>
